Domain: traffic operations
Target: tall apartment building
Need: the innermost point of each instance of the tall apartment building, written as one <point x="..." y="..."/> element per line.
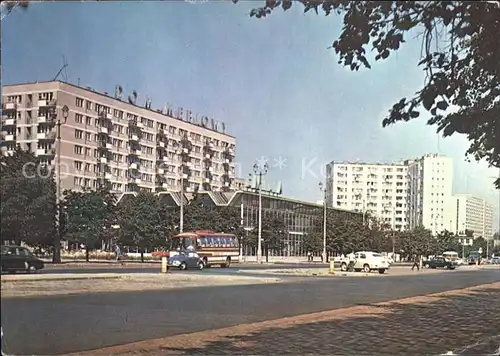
<point x="473" y="213"/>
<point x="430" y="199"/>
<point x="377" y="189"/>
<point x="107" y="141"/>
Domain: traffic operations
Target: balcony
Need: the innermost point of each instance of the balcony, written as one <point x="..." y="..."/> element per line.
<point x="42" y="119"/>
<point x="160" y="171"/>
<point x="9" y="122"/>
<point x="133" y="166"/>
<point x="9" y="138"/>
<point x="134" y="180"/>
<point x="164" y="185"/>
<point x="49" y="135"/>
<point x="105" y="145"/>
<point x="108" y="176"/>
<point x="9" y="106"/>
<point x="135" y="152"/>
<point x="103" y="160"/>
<point x="46" y="103"/>
<point x="208" y="156"/>
<point x="161" y="144"/>
<point x="140" y="125"/>
<point x="106" y="115"/>
<point x="104" y="130"/>
<point x="185" y="176"/>
<point x="45" y="151"/>
<point x="133" y="138"/>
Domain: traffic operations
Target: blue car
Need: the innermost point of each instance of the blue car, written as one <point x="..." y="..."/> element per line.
<point x="184" y="260"/>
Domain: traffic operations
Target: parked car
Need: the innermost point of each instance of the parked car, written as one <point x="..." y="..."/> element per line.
<point x="17" y="258"/>
<point x="366" y="261"/>
<point x="495" y="261"/>
<point x="440" y="262"/>
<point x="184" y="260"/>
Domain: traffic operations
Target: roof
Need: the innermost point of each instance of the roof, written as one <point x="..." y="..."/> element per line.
<point x="91" y="90"/>
<point x="229" y="198"/>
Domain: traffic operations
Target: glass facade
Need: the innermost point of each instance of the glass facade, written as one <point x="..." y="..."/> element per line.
<point x="300" y="217"/>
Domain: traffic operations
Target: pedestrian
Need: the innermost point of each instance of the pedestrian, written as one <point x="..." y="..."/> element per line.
<point x="118" y="254"/>
<point x="309" y="256"/>
<point x="415" y="263"/>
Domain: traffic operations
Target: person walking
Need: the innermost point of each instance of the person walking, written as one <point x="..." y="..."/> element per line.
<point x="118" y="254"/>
<point x="416" y="263"/>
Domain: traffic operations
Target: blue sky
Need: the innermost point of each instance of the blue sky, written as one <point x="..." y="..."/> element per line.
<point x="272" y="81"/>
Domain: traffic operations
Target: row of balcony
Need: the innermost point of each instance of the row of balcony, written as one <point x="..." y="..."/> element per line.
<point x="47" y="136"/>
<point x="40" y="103"/>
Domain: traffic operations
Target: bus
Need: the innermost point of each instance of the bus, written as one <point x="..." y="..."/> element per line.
<point x="451" y="255"/>
<point x="213" y="248"/>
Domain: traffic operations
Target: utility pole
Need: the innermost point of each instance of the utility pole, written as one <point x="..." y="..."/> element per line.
<point x="323" y="190"/>
<point x="260" y="171"/>
<point x="56" y="258"/>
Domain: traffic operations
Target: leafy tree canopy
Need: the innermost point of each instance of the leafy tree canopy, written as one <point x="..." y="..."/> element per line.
<point x="27" y="206"/>
<point x="88" y="214"/>
<point x="142" y="223"/>
<point x="461" y="58"/>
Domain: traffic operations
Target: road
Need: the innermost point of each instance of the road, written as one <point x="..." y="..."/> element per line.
<point x="138" y="268"/>
<point x="63" y="324"/>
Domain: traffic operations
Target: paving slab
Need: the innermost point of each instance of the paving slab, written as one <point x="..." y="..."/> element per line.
<point x="463" y="321"/>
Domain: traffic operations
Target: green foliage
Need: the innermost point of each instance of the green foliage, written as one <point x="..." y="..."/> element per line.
<point x="460" y="57"/>
<point x="88" y="214"/>
<point x="446" y="241"/>
<point x="27" y="207"/>
<point x="418" y="241"/>
<point x="274" y="232"/>
<point x="201" y="215"/>
<point x="313" y="242"/>
<point x="143" y="223"/>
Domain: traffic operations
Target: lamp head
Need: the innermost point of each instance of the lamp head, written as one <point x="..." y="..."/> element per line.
<point x="65" y="112"/>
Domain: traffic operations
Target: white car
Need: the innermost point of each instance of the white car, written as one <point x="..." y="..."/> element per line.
<point x="367" y="261"/>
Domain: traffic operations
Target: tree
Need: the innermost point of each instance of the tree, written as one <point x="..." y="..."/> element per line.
<point x="313" y="242"/>
<point x="27" y="206"/>
<point x="460" y="57"/>
<point x="274" y="232"/>
<point x="446" y="241"/>
<point x="418" y="241"/>
<point x="142" y="223"/>
<point x="88" y="214"/>
<point x="479" y="243"/>
<point x="9" y="6"/>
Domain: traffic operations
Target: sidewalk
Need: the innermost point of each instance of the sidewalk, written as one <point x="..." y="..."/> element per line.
<point x="463" y="321"/>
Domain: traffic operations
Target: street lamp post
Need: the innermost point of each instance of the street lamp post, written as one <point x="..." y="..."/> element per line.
<point x="260" y="171"/>
<point x="56" y="258"/>
<point x="324" y="220"/>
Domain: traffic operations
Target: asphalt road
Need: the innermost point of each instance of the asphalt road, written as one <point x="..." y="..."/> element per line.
<point x="235" y="268"/>
<point x="63" y="324"/>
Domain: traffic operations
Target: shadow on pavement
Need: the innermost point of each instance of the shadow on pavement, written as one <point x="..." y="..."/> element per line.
<point x="465" y="324"/>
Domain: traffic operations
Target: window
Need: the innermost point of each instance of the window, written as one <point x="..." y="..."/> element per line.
<point x="79" y="103"/>
<point x="78" y="165"/>
<point x="88" y="120"/>
<point x="78" y="134"/>
<point x="89" y="105"/>
<point x="79" y="118"/>
<point x="78" y="150"/>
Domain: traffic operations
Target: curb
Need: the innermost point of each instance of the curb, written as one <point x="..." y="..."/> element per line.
<point x="71" y="278"/>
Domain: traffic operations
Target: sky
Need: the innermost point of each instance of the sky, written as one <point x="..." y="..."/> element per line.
<point x="273" y="81"/>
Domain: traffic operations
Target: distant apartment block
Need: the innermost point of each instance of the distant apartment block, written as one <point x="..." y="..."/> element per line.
<point x="474" y="214"/>
<point x="116" y="143"/>
<point x="377" y="189"/>
<point x="430" y="199"/>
